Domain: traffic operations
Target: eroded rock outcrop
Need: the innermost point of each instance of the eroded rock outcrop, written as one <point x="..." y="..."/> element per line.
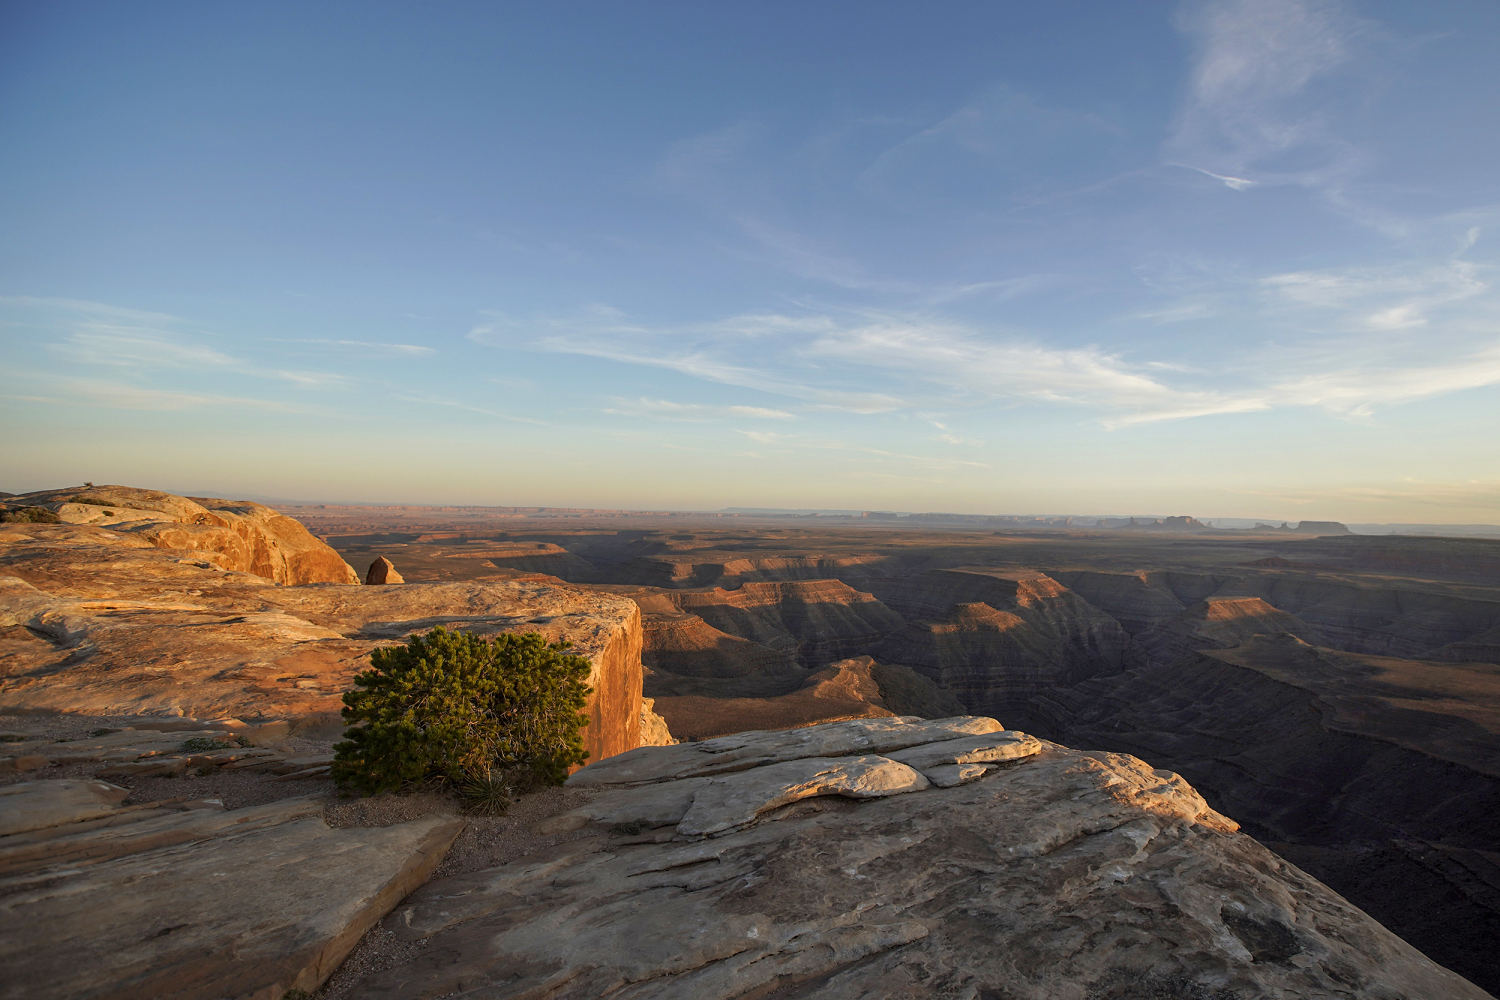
<point x="104" y="621"/>
<point x="382" y="571"/>
<point x="232" y="534"/>
<point x="894" y="858"/>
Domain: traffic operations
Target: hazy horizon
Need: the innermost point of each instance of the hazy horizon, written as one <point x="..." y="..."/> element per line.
<point x="1225" y="521"/>
<point x="1076" y="257"/>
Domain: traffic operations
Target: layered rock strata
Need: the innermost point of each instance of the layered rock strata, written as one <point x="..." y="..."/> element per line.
<point x="187" y="900"/>
<point x="893" y="858"/>
<point x="232" y="534"/>
<point x="105" y="621"/>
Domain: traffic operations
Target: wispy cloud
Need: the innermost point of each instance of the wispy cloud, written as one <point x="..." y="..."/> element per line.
<point x="1233" y="183"/>
<point x="111" y="344"/>
<point x="1393" y="297"/>
<point x="1254" y="113"/>
<point x="122" y="314"/>
<point x="949" y="355"/>
<point x="664" y="409"/>
<point x="368" y="347"/>
<point x="919" y="363"/>
<point x="1003" y="131"/>
<point x="313" y="380"/>
<point x="715" y="351"/>
<point x="1352" y="391"/>
<point x="1359" y="391"/>
<point x="143" y="349"/>
<point x="125" y="396"/>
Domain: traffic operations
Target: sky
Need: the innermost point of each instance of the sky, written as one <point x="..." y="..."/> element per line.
<point x="1228" y="258"/>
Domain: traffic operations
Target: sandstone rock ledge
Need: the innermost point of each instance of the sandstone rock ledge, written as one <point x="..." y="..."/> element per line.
<point x="187" y="900"/>
<point x="894" y="858"/>
<point x="234" y="534"/>
<point x="158" y="605"/>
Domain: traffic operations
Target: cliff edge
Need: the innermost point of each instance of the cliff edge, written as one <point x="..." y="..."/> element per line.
<point x="170" y="606"/>
<point x="232" y="534"/>
<point x="893" y="858"/>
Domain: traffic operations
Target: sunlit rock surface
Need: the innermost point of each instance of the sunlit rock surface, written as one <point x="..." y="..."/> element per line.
<point x="894" y="858"/>
<point x="232" y="534"/>
<point x="187" y="900"/>
<point x="122" y="621"/>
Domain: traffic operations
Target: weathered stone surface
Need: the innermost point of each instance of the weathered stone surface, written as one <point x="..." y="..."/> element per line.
<point x="26" y="762"/>
<point x="735" y="799"/>
<point x="753" y="749"/>
<point x="948" y="775"/>
<point x="36" y="805"/>
<point x="1086" y="876"/>
<point x="990" y="749"/>
<point x="654" y="731"/>
<point x="199" y="903"/>
<point x="232" y="534"/>
<point x="382" y="571"/>
<point x="101" y="621"/>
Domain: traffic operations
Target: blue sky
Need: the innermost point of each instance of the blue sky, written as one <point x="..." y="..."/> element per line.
<point x="1224" y="258"/>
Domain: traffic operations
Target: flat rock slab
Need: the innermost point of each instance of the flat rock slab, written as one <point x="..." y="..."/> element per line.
<point x="199" y="903"/>
<point x="36" y="805"/>
<point x="736" y="799"/>
<point x="743" y="751"/>
<point x="993" y="748"/>
<point x="1050" y="874"/>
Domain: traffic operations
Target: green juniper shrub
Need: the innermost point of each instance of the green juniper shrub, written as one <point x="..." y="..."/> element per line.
<point x="203" y="744"/>
<point x="455" y="708"/>
<point x="28" y="515"/>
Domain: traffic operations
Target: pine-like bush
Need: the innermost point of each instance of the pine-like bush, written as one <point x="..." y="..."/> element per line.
<point x="454" y="708"/>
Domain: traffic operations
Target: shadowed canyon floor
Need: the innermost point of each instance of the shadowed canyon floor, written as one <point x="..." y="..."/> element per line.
<point x="1338" y="696"/>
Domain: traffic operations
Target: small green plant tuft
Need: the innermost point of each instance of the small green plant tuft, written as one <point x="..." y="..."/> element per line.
<point x="455" y="709"/>
<point x="487" y="793"/>
<point x="203" y="744"/>
<point x="28" y="515"/>
<point x="627" y="829"/>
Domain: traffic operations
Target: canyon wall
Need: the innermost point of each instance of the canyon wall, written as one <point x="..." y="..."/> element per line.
<point x="1339" y="696"/>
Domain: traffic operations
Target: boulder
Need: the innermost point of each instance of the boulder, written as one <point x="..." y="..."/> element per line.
<point x="382" y="570"/>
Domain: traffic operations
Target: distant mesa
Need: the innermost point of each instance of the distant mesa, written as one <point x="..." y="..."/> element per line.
<point x="1322" y="528"/>
<point x="382" y="570"/>
<point x="1305" y="528"/>
<point x="1178" y="522"/>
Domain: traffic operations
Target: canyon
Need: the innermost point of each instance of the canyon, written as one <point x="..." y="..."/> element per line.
<point x="1233" y="702"/>
<point x="1338" y="695"/>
